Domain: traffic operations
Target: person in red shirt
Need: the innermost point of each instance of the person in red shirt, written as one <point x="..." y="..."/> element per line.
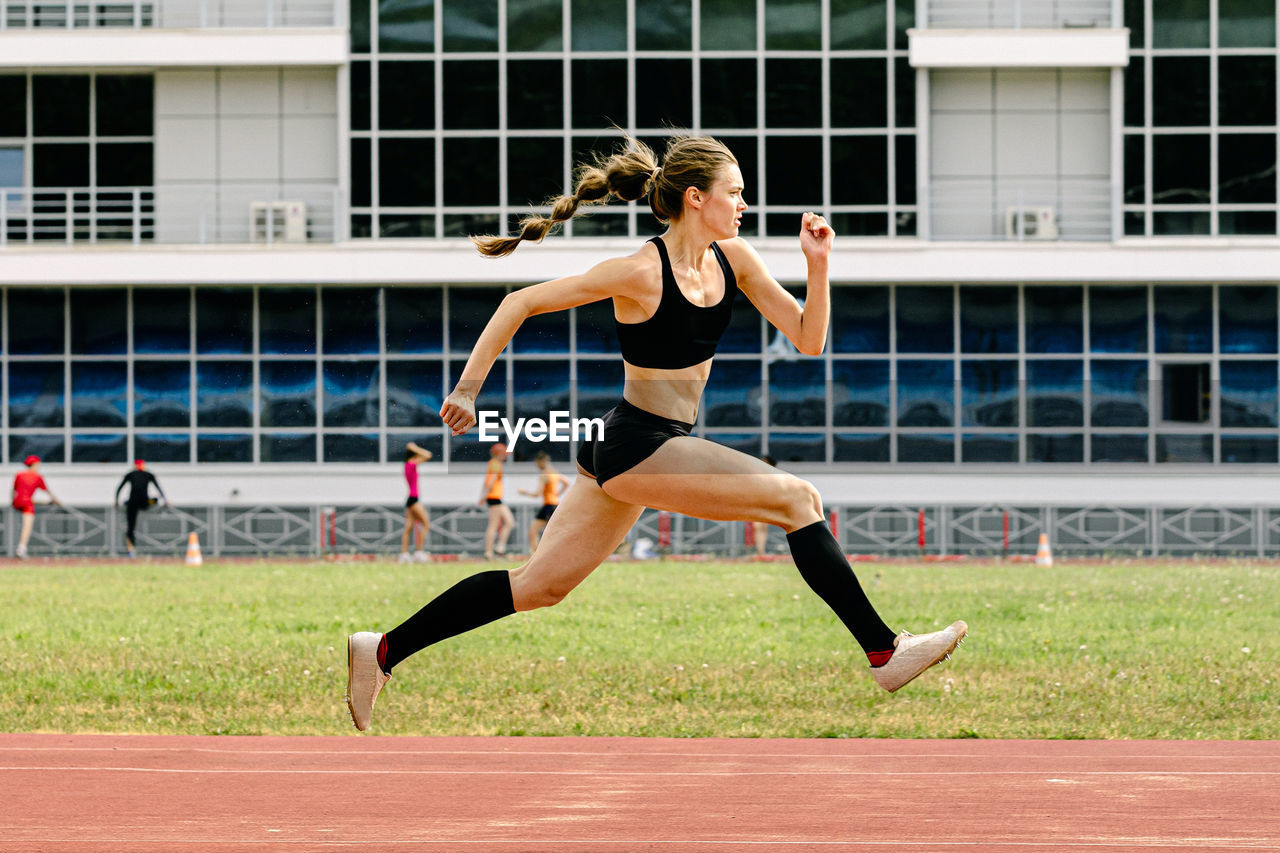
<point x="25" y="485"/>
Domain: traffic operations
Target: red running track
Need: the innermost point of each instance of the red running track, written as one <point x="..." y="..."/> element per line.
<point x="124" y="794"/>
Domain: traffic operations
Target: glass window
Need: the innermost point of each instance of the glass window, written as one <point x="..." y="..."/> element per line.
<point x="418" y="225"/>
<point x="1180" y="168"/>
<point x="361" y="97"/>
<point x="1184" y="319"/>
<point x="162" y="447"/>
<point x="232" y="447"/>
<point x="538" y="389"/>
<point x="161" y="320"/>
<point x="360" y="17"/>
<point x="858" y="25"/>
<point x="905" y="175"/>
<point x="1110" y="447"/>
<point x="793" y="170"/>
<point x="534" y="25"/>
<point x="1180" y="222"/>
<point x="224" y="394"/>
<point x="1135" y="100"/>
<point x="925" y="319"/>
<point x="1055" y="448"/>
<point x="989" y="393"/>
<point x="1184" y="448"/>
<point x="470" y="176"/>
<point x="1179" y="91"/>
<point x="1247" y="23"/>
<point x="860" y="92"/>
<point x="469" y="310"/>
<point x="125" y="104"/>
<point x="1134" y="19"/>
<point x="798" y="447"/>
<point x="743" y="334"/>
<point x="124" y="164"/>
<point x="926" y="448"/>
<point x="50" y="448"/>
<point x="543" y="333"/>
<point x="728" y="92"/>
<point x="732" y="395"/>
<point x="60" y="165"/>
<point x="1120" y="393"/>
<point x="1055" y="319"/>
<point x="287" y="320"/>
<point x="405" y="26"/>
<point x="470" y="94"/>
<point x="12" y="172"/>
<point x="35" y="319"/>
<point x="1118" y="319"/>
<point x="860" y="393"/>
<point x="470" y="26"/>
<point x="415" y="392"/>
<point x="1247" y="90"/>
<point x="792" y="25"/>
<point x="407" y="172"/>
<point x="13" y="105"/>
<point x="60" y="104"/>
<point x="988" y="319"/>
<point x="1180" y="23"/>
<point x="99" y="390"/>
<point x="361" y="183"/>
<point x="406" y="95"/>
<point x="414" y="319"/>
<point x="1135" y="158"/>
<point x="1249" y="394"/>
<point x="792" y="88"/>
<point x="989" y="447"/>
<point x="1247" y="222"/>
<point x="859" y="169"/>
<point x="1247" y="168"/>
<point x="287" y="397"/>
<point x="797" y="393"/>
<point x="224" y="320"/>
<point x="1055" y="393"/>
<point x="599" y="387"/>
<point x="664" y="93"/>
<point x="598" y="25"/>
<point x="1247" y="319"/>
<point x="289" y="447"/>
<point x="926" y="394"/>
<point x="37" y="394"/>
<point x="1235" y="449"/>
<point x="350" y="319"/>
<point x="904" y="93"/>
<point x="596" y="331"/>
<point x="535" y="100"/>
<point x="162" y="394"/>
<point x="397" y="446"/>
<point x="351" y="394"/>
<point x="860" y="447"/>
<point x="728" y="25"/>
<point x="98" y="448"/>
<point x="349" y="447"/>
<point x="664" y="25"/>
<point x="98" y="321"/>
<point x="860" y="318"/>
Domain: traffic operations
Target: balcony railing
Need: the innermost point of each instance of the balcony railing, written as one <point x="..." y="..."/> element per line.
<point x="1018" y="14"/>
<point x="986" y="209"/>
<point x="70" y="14"/>
<point x="255" y="214"/>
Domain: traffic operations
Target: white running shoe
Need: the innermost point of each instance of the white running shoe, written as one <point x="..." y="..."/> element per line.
<point x="420" y="557"/>
<point x="912" y="655"/>
<point x="404" y="557"/>
<point x="22" y="552"/>
<point x="365" y="678"/>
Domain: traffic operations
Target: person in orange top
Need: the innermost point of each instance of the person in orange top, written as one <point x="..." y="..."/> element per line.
<point x="25" y="485"/>
<point x="501" y="521"/>
<point x="550" y="485"/>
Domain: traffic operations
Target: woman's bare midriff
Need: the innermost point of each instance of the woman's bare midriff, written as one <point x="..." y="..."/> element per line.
<point x="670" y="394"/>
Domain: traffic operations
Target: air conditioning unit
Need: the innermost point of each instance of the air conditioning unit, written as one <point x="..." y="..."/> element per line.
<point x="277" y="221"/>
<point x="1038" y="223"/>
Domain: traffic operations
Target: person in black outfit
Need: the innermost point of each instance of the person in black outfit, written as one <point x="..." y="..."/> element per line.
<point x="139" y="481"/>
<point x="671" y="301"/>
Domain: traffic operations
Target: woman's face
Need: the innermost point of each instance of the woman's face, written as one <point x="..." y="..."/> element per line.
<point x="723" y="205"/>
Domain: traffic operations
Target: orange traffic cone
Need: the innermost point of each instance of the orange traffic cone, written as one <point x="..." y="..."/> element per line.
<point x="193" y="550"/>
<point x="1044" y="557"/>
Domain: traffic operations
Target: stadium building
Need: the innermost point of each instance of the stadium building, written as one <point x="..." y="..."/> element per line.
<point x="232" y="242"/>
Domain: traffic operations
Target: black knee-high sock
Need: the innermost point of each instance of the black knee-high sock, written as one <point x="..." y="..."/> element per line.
<point x="470" y="603"/>
<point x="825" y="568"/>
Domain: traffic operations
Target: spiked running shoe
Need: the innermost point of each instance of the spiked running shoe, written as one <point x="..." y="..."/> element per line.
<point x="365" y="678"/>
<point x="913" y="654"/>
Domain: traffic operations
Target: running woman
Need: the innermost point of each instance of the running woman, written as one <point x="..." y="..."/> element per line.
<point x="550" y="484"/>
<point x="25" y="485"/>
<point x="139" y="481"/>
<point x="501" y="521"/>
<point x="416" y="520"/>
<point x="671" y="302"/>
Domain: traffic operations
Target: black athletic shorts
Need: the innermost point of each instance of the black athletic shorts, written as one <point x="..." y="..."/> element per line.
<point x="493" y="501"/>
<point x="544" y="514"/>
<point x="410" y="502"/>
<point x="631" y="435"/>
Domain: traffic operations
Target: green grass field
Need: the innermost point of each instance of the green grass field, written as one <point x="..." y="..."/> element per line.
<point x="1119" y="650"/>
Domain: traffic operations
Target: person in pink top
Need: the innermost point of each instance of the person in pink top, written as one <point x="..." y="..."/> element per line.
<point x="416" y="520"/>
<point x="25" y="486"/>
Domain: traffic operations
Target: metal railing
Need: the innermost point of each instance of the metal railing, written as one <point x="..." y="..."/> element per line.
<point x="258" y="213"/>
<point x="137" y="14"/>
<point x="1017" y="14"/>
<point x="458" y="531"/>
<point x="996" y="209"/>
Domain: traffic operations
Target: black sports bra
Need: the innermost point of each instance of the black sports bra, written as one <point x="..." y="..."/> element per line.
<point x="679" y="334"/>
